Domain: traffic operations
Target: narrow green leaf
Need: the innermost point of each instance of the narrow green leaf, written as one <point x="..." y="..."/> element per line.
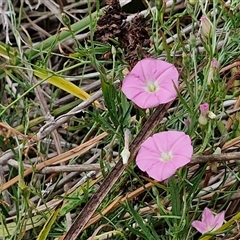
<point x="47" y="226"/>
<point x="10" y="228"/>
<point x="143" y="225"/>
<point x="175" y="197"/>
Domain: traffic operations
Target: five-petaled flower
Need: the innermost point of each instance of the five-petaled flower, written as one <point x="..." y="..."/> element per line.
<point x="163" y="153"/>
<point x="209" y="221"/>
<point x="151" y="82"/>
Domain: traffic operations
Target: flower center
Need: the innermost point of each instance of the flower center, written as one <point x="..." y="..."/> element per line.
<point x="151" y="87"/>
<point x="166" y="156"/>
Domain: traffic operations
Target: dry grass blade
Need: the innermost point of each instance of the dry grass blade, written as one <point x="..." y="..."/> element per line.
<point x="52" y="125"/>
<point x="215" y="158"/>
<point x="59" y="159"/>
<point x="116" y="203"/>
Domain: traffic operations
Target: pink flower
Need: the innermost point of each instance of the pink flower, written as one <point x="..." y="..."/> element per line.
<point x="209" y="221"/>
<point x="204" y="109"/>
<point x="151" y="83"/>
<point x="163" y="153"/>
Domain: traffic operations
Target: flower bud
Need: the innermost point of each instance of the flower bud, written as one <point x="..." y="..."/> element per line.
<point x="66" y="20"/>
<point x="113" y="50"/>
<point x="185" y="59"/>
<point x="192" y="40"/>
<point x="215" y="64"/>
<point x="193" y="2"/>
<point x="212" y="71"/>
<point x="203" y="118"/>
<point x="211" y="115"/>
<point x="204" y="109"/>
<point x="125" y="154"/>
<point x="205" y="27"/>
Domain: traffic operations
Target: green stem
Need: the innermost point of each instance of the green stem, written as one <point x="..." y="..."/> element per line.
<point x="63" y="35"/>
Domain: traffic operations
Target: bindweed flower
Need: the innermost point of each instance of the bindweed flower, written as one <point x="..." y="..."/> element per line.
<point x="205" y="27"/>
<point x="151" y="83"/>
<point x="204" y="109"/>
<point x="209" y="221"/>
<point x="163" y="153"/>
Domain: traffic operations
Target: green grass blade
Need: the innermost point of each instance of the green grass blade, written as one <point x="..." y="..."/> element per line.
<point x="47" y="226"/>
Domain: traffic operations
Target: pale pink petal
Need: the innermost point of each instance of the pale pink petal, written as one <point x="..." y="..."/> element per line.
<point x="179" y="161"/>
<point x="164" y="70"/>
<point x="182" y="143"/>
<point x="161" y="171"/>
<point x="145" y="68"/>
<point x="219" y="219"/>
<point x="132" y="86"/>
<point x="134" y="79"/>
<point x="152" y="143"/>
<point x="200" y="226"/>
<point x="164" y="95"/>
<point x="151" y="68"/>
<point x="208" y="218"/>
<point x="170" y="75"/>
<point x="177" y="142"/>
<point x="146" y="160"/>
<point x="176" y="137"/>
<point x="168" y="87"/>
<point x="166" y="81"/>
<point x="161" y="140"/>
<point x="146" y="165"/>
<point x="146" y="100"/>
<point x="148" y="150"/>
